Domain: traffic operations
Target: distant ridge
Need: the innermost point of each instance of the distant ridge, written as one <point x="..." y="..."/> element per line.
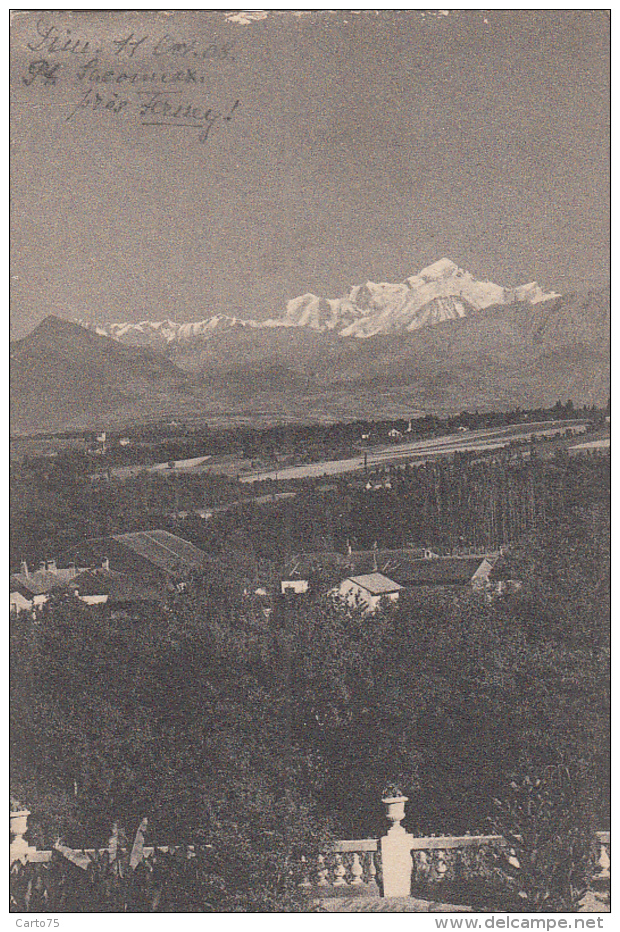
<point x="438" y="293"/>
<point x="461" y="355"/>
<point x="61" y="372"/>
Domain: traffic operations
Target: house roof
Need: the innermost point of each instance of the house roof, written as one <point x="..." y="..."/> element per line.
<point x="36" y="583"/>
<point x="117" y="586"/>
<point x="167" y="551"/>
<point x="406" y="566"/>
<point x="440" y="571"/>
<point x="375" y="583"/>
<point x="18" y="598"/>
<point x="142" y="553"/>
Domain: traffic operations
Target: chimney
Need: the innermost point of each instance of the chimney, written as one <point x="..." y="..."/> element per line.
<point x="51" y="566"/>
<point x="42" y="566"/>
<point x="71" y="571"/>
<point x="23" y="569"/>
<point x="105" y="563"/>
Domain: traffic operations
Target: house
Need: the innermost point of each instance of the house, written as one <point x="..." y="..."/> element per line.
<point x="406" y="566"/>
<point x="122" y="569"/>
<point x="96" y="444"/>
<point x="294" y="585"/>
<point x="103" y="586"/>
<point x="30" y="589"/>
<point x="19" y="603"/>
<point x="369" y="589"/>
<point x="157" y="558"/>
<point x="376" y="485"/>
<point x="470" y="571"/>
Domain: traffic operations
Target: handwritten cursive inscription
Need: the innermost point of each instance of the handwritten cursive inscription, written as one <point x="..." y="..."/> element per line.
<point x="191" y="48"/>
<point x="42" y="69"/>
<point x="54" y="41"/>
<point x="157" y="110"/>
<point x="93" y="72"/>
<point x="146" y="78"/>
<point x="92" y="100"/>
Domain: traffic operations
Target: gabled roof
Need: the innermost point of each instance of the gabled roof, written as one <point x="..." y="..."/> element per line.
<point x="36" y="583"/>
<point x="405" y="566"/>
<point x="142" y="553"/>
<point x="441" y="571"/>
<point x="117" y="586"/>
<point x="18" y="598"/>
<point x="375" y="583"/>
<point x="167" y="551"/>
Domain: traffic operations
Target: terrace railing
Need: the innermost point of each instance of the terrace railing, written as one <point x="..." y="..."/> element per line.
<point x="384" y="867"/>
<point x="394" y="864"/>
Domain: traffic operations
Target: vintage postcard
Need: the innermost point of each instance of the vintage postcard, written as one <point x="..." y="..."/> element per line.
<point x="309" y="462"/>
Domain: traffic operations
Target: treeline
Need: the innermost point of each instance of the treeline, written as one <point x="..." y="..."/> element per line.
<point x="54" y="505"/>
<point x="445" y="505"/>
<point x="466" y="502"/>
<point x="166" y="442"/>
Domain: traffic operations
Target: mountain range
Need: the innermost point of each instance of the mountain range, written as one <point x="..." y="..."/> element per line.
<point x="438" y="293"/>
<point x="440" y="341"/>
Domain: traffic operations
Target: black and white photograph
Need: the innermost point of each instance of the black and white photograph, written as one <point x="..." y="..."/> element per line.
<point x="309" y="545"/>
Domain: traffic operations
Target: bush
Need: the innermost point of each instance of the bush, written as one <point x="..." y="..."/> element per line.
<point x="548" y="825"/>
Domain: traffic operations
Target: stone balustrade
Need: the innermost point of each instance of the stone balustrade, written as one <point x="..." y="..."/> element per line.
<point x="400" y="860"/>
<point x="21" y="850"/>
<point x="385" y="867"/>
<point x="349" y="868"/>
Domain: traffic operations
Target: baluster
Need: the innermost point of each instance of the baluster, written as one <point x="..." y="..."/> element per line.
<point x="372" y="867"/>
<point x="459" y="863"/>
<point x="322" y="872"/>
<point x="422" y="863"/>
<point x="340" y="872"/>
<point x="305" y="878"/>
<point x="441" y="865"/>
<point x="604" y="864"/>
<point x="357" y="870"/>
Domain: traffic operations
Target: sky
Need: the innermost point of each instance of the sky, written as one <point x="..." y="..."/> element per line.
<point x="301" y="153"/>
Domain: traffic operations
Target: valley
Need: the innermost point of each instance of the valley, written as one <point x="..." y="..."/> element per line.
<point x="420" y="451"/>
<point x="495" y="359"/>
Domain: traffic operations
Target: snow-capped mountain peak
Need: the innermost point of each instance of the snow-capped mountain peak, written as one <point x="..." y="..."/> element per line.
<point x="443" y="268"/>
<point x="440" y="292"/>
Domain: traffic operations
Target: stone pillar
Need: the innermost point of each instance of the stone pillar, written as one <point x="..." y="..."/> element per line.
<point x="396" y="850"/>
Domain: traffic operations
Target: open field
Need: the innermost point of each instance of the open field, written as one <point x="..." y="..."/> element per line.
<point x="601" y="444"/>
<point x="420" y="450"/>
